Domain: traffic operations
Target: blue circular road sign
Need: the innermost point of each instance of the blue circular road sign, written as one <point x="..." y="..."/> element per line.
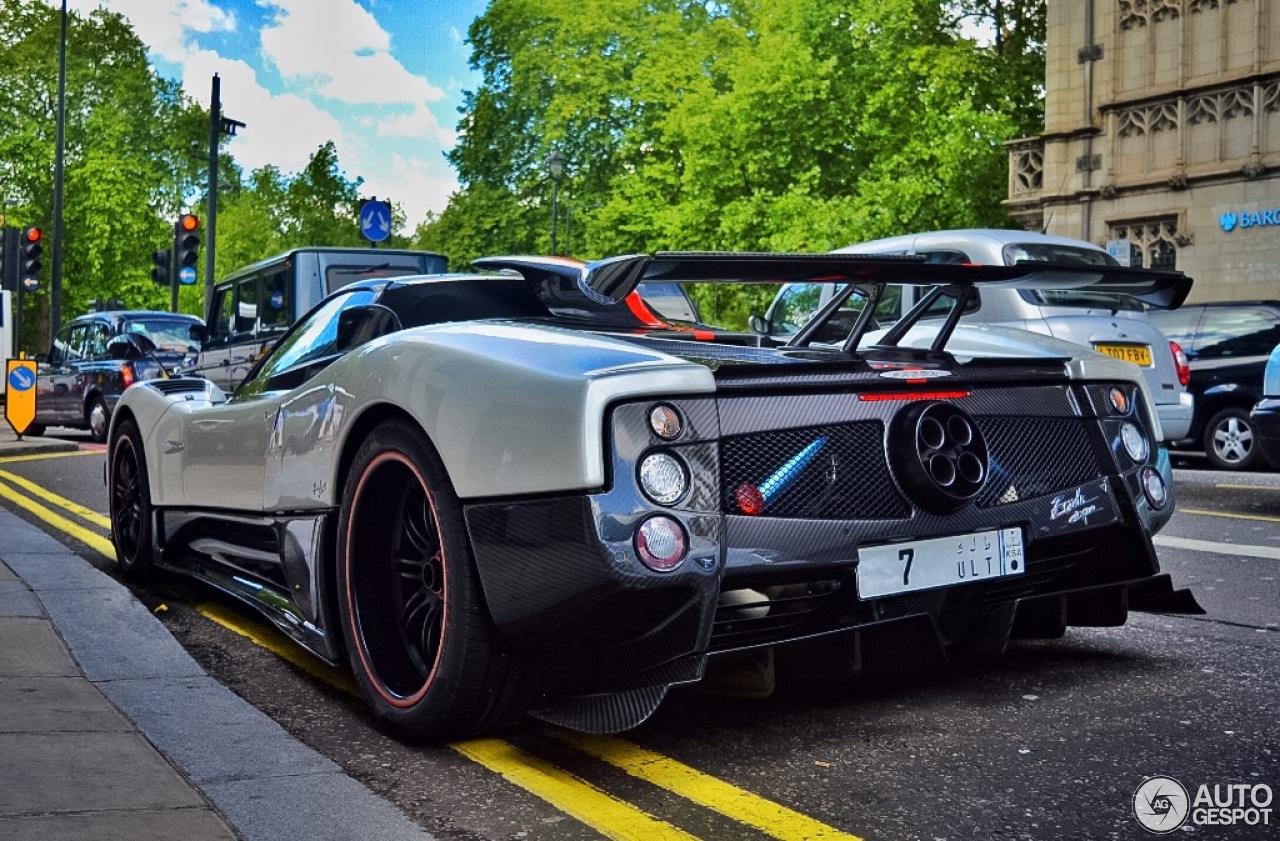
<point x="187" y="275"/>
<point x="21" y="379"/>
<point x="375" y="220"/>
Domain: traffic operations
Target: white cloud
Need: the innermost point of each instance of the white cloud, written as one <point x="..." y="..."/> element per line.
<point x="338" y="50"/>
<point x="163" y="27"/>
<point x="418" y="187"/>
<point x="419" y="122"/>
<point x="283" y="130"/>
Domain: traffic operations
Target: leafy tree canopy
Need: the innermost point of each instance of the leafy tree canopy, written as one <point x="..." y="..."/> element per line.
<point x="741" y="124"/>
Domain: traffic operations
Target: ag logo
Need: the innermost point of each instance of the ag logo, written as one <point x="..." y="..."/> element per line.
<point x="1161" y="805"/>
<point x="1228" y="221"/>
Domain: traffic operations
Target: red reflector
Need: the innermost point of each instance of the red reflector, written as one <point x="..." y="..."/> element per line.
<point x="750" y="500"/>
<point x="914" y="395"/>
<point x="704" y="335"/>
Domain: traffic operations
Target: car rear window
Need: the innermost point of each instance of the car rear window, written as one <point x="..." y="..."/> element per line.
<point x="166" y="333"/>
<point x="1040" y="252"/>
<point x="337" y="277"/>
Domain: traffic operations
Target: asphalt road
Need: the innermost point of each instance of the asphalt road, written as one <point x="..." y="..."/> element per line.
<point x="1049" y="741"/>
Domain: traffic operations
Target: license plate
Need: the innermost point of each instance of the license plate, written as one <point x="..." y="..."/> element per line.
<point x="1137" y="354"/>
<point x="939" y="562"/>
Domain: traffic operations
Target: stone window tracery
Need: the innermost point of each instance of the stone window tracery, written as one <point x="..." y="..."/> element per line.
<point x="1157" y="239"/>
<point x="1027" y="166"/>
<point x="1148" y="119"/>
<point x="1135" y="13"/>
<point x="1221" y="106"/>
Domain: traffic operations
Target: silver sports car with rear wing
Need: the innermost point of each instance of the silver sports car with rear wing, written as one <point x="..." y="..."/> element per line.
<point x="525" y="491"/>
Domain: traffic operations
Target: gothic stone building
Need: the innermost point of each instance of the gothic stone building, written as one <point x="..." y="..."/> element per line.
<point x="1162" y="127"/>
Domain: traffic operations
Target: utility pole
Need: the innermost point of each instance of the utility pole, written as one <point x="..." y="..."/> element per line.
<point x="55" y="297"/>
<point x="211" y="208"/>
<point x="218" y="126"/>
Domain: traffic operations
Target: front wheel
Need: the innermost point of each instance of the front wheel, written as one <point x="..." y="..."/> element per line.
<point x="418" y="634"/>
<point x="130" y="502"/>
<point x="1230" y="442"/>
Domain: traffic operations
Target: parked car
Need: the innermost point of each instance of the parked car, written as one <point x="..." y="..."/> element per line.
<point x="253" y="306"/>
<point x="1265" y="416"/>
<point x="524" y="491"/>
<point x="95" y="357"/>
<point x="1111" y="323"/>
<point x="1227" y="344"/>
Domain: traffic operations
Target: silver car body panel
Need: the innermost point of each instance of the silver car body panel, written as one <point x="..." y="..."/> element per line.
<point x="511" y="409"/>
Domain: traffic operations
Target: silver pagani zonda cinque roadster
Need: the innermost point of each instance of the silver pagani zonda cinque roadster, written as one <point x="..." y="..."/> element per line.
<point x="526" y="491"/>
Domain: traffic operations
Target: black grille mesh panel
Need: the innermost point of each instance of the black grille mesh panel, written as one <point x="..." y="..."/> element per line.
<point x="847" y="478"/>
<point x="1034" y="456"/>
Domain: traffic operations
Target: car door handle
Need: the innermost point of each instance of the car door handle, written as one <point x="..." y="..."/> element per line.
<point x="226" y="363"/>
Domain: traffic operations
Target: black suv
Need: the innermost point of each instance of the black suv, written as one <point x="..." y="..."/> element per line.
<point x="95" y="357"/>
<point x="1227" y="344"/>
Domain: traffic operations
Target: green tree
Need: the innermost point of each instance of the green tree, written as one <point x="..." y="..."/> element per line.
<point x="743" y="124"/>
<point x="128" y="166"/>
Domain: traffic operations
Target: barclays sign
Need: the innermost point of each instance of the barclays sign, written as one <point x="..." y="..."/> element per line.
<point x="1249" y="219"/>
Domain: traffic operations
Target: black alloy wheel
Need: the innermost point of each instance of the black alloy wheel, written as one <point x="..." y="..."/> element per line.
<point x="417" y="631"/>
<point x="130" y="502"/>
<point x="1230" y="440"/>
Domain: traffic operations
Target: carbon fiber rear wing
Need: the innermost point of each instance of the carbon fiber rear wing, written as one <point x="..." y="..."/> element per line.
<point x="612" y="279"/>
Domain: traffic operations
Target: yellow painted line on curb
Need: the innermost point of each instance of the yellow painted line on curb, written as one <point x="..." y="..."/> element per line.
<point x="278" y="644"/>
<point x="1247" y="487"/>
<point x="1199" y="512"/>
<point x="771" y="818"/>
<point x="611" y="817"/>
<point x="76" y="508"/>
<point x="91" y="539"/>
<point x="42" y="456"/>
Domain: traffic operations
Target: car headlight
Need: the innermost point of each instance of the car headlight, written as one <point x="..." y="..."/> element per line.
<point x="1135" y="443"/>
<point x="663" y="478"/>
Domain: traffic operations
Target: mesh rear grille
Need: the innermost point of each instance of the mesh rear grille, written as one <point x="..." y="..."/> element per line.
<point x="1034" y="456"/>
<point x="846" y="478"/>
<point x="179" y="385"/>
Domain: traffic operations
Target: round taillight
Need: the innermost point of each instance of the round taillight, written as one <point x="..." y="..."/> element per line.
<point x="664" y="420"/>
<point x="1154" y="488"/>
<point x="663" y="478"/>
<point x="661" y="543"/>
<point x="1135" y="443"/>
<point x="1119" y="400"/>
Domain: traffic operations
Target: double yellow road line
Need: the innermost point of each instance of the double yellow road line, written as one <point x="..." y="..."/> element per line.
<point x="610" y="816"/>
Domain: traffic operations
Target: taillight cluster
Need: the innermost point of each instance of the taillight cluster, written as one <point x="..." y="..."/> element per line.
<point x="1180" y="363"/>
<point x="126" y="375"/>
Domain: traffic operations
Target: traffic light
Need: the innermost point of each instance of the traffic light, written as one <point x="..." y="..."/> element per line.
<point x="186" y="247"/>
<point x="29" y="251"/>
<point x="163" y="260"/>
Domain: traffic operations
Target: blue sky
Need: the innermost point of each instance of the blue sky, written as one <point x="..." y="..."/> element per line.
<point x="383" y="79"/>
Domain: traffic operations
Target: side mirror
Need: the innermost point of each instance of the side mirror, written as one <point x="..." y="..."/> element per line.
<point x="197" y="333"/>
<point x="357" y="325"/>
<point x="758" y="324"/>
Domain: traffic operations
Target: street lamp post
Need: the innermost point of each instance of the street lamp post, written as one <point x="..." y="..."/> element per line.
<point x="554" y="163"/>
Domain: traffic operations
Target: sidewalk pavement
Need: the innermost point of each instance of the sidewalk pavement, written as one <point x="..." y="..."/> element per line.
<point x="10" y="445"/>
<point x="110" y="730"/>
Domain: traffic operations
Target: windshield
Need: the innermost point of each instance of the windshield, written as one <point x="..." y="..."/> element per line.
<point x="166" y="333"/>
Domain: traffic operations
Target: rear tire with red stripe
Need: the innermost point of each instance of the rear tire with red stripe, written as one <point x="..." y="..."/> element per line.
<point x="418" y="635"/>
